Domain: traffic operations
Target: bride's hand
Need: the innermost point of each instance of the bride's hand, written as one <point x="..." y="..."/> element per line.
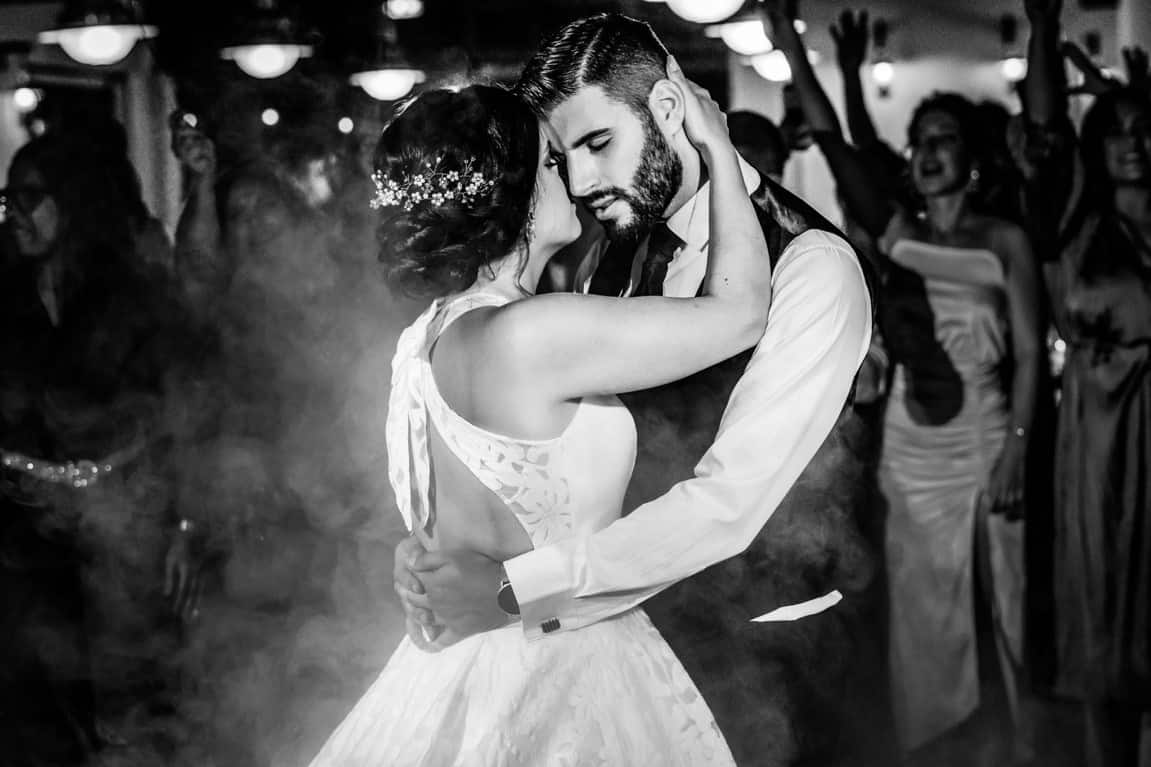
<point x="431" y="638"/>
<point x="419" y="622"/>
<point x="460" y="588"/>
<point x="703" y="120"/>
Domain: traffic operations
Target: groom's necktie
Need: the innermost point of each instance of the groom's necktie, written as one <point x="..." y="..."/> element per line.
<point x="662" y="244"/>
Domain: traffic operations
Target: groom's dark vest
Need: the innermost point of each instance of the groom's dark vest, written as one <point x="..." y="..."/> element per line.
<point x="777" y="689"/>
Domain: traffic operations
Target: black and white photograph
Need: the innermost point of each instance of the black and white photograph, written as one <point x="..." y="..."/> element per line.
<point x="575" y="383"/>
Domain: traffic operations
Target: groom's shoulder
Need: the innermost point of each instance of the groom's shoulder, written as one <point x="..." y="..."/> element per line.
<point x="825" y="258"/>
<point x="819" y="250"/>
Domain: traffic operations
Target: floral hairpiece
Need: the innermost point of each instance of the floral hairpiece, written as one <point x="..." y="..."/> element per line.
<point x="431" y="186"/>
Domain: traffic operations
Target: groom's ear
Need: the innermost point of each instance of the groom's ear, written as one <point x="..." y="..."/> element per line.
<point x="666" y="104"/>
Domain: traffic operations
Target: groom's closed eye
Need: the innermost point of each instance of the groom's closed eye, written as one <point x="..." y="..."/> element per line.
<point x="594" y="140"/>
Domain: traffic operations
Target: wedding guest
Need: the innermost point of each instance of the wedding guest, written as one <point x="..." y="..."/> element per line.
<point x="960" y="319"/>
<point x="85" y="353"/>
<point x="760" y="142"/>
<point x="852" y="37"/>
<point x="152" y="245"/>
<point x="1092" y="196"/>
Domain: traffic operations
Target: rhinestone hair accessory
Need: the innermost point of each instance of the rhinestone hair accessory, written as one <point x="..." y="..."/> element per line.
<point x="431" y="186"/>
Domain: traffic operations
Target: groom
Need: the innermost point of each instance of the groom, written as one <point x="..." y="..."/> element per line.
<point x="767" y="516"/>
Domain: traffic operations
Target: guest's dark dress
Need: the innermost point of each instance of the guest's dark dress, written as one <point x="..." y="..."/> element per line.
<point x="1103" y="466"/>
<point x="83" y="386"/>
<point x="1100" y="288"/>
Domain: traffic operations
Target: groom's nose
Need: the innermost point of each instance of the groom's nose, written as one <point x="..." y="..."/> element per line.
<point x="582" y="178"/>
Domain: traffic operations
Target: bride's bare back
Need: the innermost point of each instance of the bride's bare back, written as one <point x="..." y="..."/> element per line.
<point x="496" y="398"/>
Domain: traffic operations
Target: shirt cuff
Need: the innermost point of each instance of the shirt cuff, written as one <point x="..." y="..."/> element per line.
<point x="542" y="582"/>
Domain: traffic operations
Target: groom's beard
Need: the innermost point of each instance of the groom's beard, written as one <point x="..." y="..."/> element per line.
<point x="652" y="188"/>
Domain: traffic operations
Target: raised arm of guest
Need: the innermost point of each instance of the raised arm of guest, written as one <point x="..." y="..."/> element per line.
<point x="198" y="232"/>
<point x="1138" y="67"/>
<point x="781" y="15"/>
<point x="1045" y="87"/>
<point x="852" y="38"/>
<point x="1053" y="177"/>
<point x="866" y="201"/>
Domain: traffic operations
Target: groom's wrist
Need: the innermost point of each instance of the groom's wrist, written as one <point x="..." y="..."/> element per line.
<point x="506" y="596"/>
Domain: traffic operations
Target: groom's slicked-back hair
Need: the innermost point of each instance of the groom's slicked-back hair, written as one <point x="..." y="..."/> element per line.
<point x="616" y="52"/>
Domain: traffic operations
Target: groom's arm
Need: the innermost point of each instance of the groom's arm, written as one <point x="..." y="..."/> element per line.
<point x="780" y="412"/>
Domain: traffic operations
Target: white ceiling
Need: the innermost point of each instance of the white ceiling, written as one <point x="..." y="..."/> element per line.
<point x="967" y="29"/>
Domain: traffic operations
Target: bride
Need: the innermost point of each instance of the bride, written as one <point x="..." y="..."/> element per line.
<point x="503" y="434"/>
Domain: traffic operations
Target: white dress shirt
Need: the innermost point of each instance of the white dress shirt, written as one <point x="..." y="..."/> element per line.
<point x="789" y="398"/>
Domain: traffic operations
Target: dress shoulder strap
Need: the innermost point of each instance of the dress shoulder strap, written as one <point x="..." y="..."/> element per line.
<point x="406" y="429"/>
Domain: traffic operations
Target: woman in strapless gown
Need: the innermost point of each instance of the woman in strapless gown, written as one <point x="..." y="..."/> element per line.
<point x="959" y="322"/>
<point x="485" y="362"/>
<point x="961" y="326"/>
<point x="947" y="420"/>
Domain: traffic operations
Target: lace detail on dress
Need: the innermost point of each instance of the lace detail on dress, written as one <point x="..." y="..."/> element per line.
<point x="523" y="474"/>
<point x="609" y="694"/>
<point x="527" y="475"/>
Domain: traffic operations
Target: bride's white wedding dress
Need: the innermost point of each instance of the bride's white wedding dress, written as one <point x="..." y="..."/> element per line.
<point x="611" y="693"/>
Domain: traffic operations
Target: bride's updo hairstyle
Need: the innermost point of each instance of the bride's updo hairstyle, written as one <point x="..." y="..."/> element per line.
<point x="455" y="176"/>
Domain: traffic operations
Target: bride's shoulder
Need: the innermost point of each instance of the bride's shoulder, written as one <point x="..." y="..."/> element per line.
<point x="518" y="332"/>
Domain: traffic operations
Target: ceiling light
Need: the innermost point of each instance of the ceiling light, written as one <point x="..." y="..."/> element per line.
<point x="266" y="60"/>
<point x="389" y="75"/>
<point x="404" y="9"/>
<point x="704" y="11"/>
<point x="25" y="99"/>
<point x="883" y="73"/>
<point x="267" y="43"/>
<point x="745" y="37"/>
<point x="1014" y="68"/>
<point x="388" y="84"/>
<point x="774" y="67"/>
<point x="98" y="32"/>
